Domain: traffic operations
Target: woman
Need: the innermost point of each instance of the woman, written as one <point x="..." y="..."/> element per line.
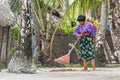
<point x="85" y="31"/>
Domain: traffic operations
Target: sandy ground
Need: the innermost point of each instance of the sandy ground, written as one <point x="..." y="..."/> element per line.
<point x="61" y="74"/>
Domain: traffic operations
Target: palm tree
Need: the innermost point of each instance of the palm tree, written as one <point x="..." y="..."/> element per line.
<point x="100" y="52"/>
<point x="107" y="41"/>
<point x="113" y="19"/>
<point x="22" y="58"/>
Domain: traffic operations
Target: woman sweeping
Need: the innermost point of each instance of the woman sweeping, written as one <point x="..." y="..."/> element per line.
<point x="85" y="31"/>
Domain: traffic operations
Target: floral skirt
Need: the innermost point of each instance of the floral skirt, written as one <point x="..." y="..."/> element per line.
<point x="87" y="47"/>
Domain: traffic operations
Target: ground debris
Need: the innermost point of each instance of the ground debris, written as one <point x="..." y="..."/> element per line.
<point x="63" y="70"/>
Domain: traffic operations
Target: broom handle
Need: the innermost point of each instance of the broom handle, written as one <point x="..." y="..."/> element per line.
<point x="74" y="45"/>
<point x="76" y="41"/>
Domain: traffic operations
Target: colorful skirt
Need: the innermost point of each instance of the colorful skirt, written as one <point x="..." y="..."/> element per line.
<point x="87" y="47"/>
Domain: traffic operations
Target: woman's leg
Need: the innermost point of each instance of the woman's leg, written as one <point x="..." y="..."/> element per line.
<point x="85" y="64"/>
<point x="93" y="64"/>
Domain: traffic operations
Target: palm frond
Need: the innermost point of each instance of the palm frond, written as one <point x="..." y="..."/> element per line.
<point x="80" y="7"/>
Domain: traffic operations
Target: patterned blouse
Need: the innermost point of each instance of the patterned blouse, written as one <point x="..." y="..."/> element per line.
<point x="89" y="28"/>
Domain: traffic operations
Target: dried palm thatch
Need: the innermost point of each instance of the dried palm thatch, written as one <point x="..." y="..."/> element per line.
<point x="6" y="15"/>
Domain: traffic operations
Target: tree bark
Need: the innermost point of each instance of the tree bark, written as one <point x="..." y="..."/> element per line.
<point x="107" y="51"/>
<point x="100" y="53"/>
<point x="22" y="59"/>
<point x="114" y="20"/>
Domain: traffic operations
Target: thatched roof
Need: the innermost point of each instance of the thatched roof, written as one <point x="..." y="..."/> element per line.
<point x="6" y="15"/>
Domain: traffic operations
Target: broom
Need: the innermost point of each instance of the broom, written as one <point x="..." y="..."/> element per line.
<point x="66" y="58"/>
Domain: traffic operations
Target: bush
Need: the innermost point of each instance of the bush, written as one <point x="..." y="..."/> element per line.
<point x="15" y="32"/>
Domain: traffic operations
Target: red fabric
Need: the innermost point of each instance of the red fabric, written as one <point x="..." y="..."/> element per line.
<point x="85" y="33"/>
<point x="94" y="39"/>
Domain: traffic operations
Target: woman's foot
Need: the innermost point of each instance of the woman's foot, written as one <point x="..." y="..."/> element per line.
<point x="93" y="64"/>
<point x="94" y="69"/>
<point x="85" y="65"/>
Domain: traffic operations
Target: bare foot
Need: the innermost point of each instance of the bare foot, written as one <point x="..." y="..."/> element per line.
<point x="94" y="69"/>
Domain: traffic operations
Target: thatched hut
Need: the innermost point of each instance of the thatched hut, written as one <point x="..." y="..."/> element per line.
<point x="6" y="15"/>
<point x="6" y="20"/>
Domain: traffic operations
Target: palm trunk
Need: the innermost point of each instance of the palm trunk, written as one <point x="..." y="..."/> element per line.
<point x="22" y="59"/>
<point x="100" y="51"/>
<point x="107" y="51"/>
<point x="113" y="16"/>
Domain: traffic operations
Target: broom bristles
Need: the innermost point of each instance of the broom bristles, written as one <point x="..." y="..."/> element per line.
<point x="63" y="59"/>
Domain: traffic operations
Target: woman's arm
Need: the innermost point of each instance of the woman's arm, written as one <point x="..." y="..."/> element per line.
<point x="92" y="28"/>
<point x="92" y="21"/>
<point x="76" y="31"/>
<point x="95" y="27"/>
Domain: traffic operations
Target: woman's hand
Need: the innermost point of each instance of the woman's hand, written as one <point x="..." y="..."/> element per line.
<point x="86" y="33"/>
<point x="79" y="35"/>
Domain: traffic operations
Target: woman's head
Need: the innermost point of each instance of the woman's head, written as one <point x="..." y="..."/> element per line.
<point x="81" y="19"/>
